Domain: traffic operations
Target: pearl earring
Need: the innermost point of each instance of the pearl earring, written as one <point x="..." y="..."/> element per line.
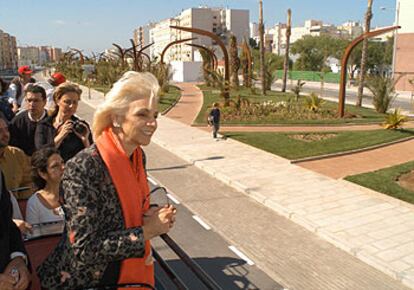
<point x="116" y="124"/>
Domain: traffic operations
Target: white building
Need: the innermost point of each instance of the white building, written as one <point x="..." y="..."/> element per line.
<point x="254" y="30"/>
<point x="28" y="55"/>
<point x="404" y="49"/>
<point x="142" y="36"/>
<point x="220" y="21"/>
<point x="350" y="29"/>
<point x="312" y="28"/>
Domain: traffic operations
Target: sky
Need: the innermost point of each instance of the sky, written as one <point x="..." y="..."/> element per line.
<point x="93" y="25"/>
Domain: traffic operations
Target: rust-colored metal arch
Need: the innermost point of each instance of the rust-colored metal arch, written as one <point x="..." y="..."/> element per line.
<point x="209" y="51"/>
<point x="171" y="44"/>
<point x="136" y="54"/>
<point x="81" y="57"/>
<point x="344" y="63"/>
<point x="226" y="93"/>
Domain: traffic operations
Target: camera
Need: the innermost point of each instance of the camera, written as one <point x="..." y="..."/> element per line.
<point x="79" y="127"/>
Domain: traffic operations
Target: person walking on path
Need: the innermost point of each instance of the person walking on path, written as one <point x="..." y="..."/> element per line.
<point x="214" y="119"/>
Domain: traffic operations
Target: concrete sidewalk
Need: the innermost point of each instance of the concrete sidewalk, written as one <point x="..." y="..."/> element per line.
<point x="375" y="228"/>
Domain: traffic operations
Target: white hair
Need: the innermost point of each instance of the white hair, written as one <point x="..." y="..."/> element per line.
<point x="130" y="87"/>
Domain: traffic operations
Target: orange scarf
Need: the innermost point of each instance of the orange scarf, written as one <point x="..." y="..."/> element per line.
<point x="131" y="185"/>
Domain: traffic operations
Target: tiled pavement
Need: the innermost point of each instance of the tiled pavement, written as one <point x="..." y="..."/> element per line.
<point x="370" y="226"/>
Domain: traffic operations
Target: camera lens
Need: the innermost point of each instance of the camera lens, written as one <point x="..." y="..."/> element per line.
<point x="79" y="128"/>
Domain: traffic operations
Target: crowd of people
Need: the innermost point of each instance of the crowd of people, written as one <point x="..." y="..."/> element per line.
<point x="93" y="181"/>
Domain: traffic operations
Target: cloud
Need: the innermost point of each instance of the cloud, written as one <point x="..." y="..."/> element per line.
<point x="59" y="22"/>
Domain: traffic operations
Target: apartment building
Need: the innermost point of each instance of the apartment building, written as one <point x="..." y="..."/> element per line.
<point x="313" y="28"/>
<point x="35" y="55"/>
<point x="142" y="36"/>
<point x="220" y="21"/>
<point x="403" y="61"/>
<point x="8" y="51"/>
<point x="28" y="55"/>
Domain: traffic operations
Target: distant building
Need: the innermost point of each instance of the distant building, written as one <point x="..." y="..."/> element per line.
<point x="404" y="49"/>
<point x="312" y="27"/>
<point x="28" y="55"/>
<point x="350" y="29"/>
<point x="35" y="55"/>
<point x="142" y="36"/>
<point x="222" y="22"/>
<point x="8" y="51"/>
<point x="254" y="30"/>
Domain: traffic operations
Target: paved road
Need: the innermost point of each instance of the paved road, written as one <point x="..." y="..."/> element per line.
<point x="405" y="103"/>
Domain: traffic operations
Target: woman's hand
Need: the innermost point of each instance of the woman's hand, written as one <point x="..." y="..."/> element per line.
<point x="63" y="131"/>
<point x="17" y="269"/>
<point x="23" y="226"/>
<point x="85" y="136"/>
<point x="6" y="282"/>
<point x="158" y="221"/>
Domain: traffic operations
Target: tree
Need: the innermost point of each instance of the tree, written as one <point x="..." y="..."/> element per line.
<point x="286" y="60"/>
<point x="379" y="57"/>
<point x="314" y="51"/>
<point x="262" y="49"/>
<point x="234" y="62"/>
<point x="382" y="88"/>
<point x="246" y="64"/>
<point x="207" y="66"/>
<point x="253" y="43"/>
<point x="367" y="26"/>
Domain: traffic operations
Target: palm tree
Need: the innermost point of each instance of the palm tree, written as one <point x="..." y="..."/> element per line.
<point x="262" y="48"/>
<point x="246" y="63"/>
<point x="234" y="62"/>
<point x="367" y="27"/>
<point x="286" y="62"/>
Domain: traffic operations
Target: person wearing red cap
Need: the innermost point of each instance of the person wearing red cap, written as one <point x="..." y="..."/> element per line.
<point x="16" y="88"/>
<point x="55" y="79"/>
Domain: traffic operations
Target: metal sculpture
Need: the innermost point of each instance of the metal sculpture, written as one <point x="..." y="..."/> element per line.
<point x="173" y="43"/>
<point x="81" y="57"/>
<point x="121" y="53"/>
<point x="344" y="63"/>
<point x="214" y="63"/>
<point x="226" y="92"/>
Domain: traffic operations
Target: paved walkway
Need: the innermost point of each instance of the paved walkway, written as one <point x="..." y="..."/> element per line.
<point x="375" y="228"/>
<point x="191" y="102"/>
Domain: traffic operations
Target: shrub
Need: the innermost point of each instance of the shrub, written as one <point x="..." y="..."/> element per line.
<point x="382" y="87"/>
<point x="394" y="120"/>
<point x="297" y="89"/>
<point x="314" y="103"/>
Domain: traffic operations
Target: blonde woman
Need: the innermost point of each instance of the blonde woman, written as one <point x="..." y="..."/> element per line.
<point x="106" y="196"/>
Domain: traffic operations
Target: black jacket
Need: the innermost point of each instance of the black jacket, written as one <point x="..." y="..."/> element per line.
<point x="22" y="132"/>
<point x="10" y="236"/>
<point x="70" y="146"/>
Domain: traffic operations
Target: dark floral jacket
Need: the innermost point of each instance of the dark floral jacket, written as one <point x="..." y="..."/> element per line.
<point x="95" y="240"/>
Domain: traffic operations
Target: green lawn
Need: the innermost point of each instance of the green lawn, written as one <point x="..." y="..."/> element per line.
<point x="213" y="95"/>
<point x="282" y="144"/>
<point x="384" y="181"/>
<point x="169" y="99"/>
